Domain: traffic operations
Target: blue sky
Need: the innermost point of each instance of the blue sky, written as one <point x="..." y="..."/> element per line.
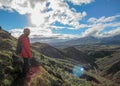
<point x="11" y="20"/>
<point x="100" y="8"/>
<point x="62" y="19"/>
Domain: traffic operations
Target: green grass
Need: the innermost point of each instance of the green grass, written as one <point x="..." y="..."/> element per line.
<point x="117" y="75"/>
<point x="6" y="82"/>
<point x="58" y="69"/>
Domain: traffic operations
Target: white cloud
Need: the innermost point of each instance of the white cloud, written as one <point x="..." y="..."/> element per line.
<point x="98" y="27"/>
<point x="43" y="35"/>
<point x="16" y="32"/>
<point x="111" y="33"/>
<point x="93" y="30"/>
<point x="0" y="4"/>
<point x="112" y="24"/>
<point x="57" y="27"/>
<point x="103" y="19"/>
<point x="40" y="13"/>
<point x="79" y="2"/>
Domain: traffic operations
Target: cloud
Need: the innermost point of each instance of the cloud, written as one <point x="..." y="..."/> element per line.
<point x="80" y="2"/>
<point x="16" y="32"/>
<point x="111" y="33"/>
<point x="53" y="38"/>
<point x="97" y="27"/>
<point x="45" y="12"/>
<point x="103" y="19"/>
<point x="93" y="30"/>
<point x="43" y="35"/>
<point x="42" y="15"/>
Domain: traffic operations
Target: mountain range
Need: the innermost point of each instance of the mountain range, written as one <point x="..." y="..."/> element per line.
<point x="114" y="40"/>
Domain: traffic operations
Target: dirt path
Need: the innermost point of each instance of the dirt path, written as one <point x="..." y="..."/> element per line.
<point x="25" y="81"/>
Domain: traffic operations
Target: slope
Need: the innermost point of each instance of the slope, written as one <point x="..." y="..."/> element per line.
<point x="47" y="50"/>
<point x="7" y="47"/>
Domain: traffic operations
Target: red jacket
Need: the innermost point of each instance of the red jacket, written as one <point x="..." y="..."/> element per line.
<point x="26" y="51"/>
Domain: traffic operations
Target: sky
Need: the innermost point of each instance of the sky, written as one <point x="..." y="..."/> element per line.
<point x="61" y="20"/>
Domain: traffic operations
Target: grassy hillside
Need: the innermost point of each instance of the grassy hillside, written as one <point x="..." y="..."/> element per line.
<point x="7" y="47"/>
<point x="47" y="50"/>
<point x="52" y="71"/>
<point x="63" y="69"/>
<point x="107" y="58"/>
<point x="110" y="66"/>
<point x="60" y="71"/>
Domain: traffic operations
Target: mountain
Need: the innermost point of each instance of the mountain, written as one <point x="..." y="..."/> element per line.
<point x="69" y="53"/>
<point x="115" y="40"/>
<point x="110" y="66"/>
<point x="74" y="42"/>
<point x="111" y="40"/>
<point x="47" y="50"/>
<point x="81" y="57"/>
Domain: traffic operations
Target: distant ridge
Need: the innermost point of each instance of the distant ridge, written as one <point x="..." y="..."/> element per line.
<point x="114" y="40"/>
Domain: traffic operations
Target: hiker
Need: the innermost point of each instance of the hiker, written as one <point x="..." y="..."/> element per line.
<point x="24" y="51"/>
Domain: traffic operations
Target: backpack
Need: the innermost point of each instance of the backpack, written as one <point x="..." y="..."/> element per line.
<point x="19" y="47"/>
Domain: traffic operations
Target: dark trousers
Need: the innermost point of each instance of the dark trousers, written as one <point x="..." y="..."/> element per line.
<point x="26" y="65"/>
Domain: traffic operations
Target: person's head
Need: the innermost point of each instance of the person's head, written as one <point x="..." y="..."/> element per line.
<point x="26" y="31"/>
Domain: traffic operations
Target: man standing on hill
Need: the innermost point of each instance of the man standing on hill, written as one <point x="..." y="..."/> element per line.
<point x="23" y="49"/>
